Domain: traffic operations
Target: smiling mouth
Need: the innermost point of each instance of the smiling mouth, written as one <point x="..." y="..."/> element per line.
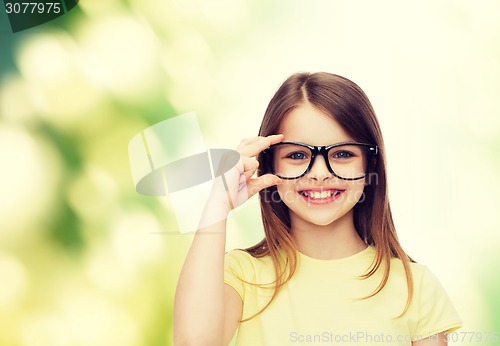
<point x="320" y="195"/>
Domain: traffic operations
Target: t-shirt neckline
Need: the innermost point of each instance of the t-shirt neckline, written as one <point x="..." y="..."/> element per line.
<point x="369" y="249"/>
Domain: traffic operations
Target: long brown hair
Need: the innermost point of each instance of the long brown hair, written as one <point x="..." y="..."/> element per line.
<point x="344" y="101"/>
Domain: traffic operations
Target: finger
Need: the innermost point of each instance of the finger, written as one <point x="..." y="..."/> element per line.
<point x="249" y="163"/>
<point x="257" y="184"/>
<point x="250" y="166"/>
<point x="252" y="140"/>
<point x="232" y="176"/>
<point x="253" y="146"/>
<point x="249" y="174"/>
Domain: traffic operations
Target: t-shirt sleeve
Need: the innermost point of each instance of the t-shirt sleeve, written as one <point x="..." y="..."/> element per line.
<point x="234" y="270"/>
<point x="436" y="311"/>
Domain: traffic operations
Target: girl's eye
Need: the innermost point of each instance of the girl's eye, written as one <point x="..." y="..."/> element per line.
<point x="296" y="156"/>
<point x="342" y="155"/>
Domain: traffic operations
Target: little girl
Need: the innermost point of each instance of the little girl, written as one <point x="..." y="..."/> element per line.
<point x="330" y="269"/>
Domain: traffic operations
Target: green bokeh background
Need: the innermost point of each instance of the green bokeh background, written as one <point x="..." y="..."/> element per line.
<point x="85" y="260"/>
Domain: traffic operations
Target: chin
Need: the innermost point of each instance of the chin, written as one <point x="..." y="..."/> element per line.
<point x="320" y="220"/>
<point x="323" y="223"/>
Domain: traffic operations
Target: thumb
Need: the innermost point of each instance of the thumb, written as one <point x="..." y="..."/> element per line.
<point x="257" y="184"/>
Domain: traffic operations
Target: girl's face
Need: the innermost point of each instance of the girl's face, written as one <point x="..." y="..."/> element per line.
<point x="317" y="198"/>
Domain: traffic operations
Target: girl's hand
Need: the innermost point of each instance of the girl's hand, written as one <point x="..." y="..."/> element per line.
<point x="237" y="185"/>
<point x="247" y="166"/>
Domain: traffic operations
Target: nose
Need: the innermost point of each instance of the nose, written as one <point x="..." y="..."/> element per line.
<point x="319" y="169"/>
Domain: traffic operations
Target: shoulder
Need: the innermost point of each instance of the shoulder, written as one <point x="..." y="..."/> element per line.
<point x="242" y="270"/>
<point x="419" y="271"/>
<point x="425" y="282"/>
<point x="242" y="261"/>
<point x="238" y="254"/>
<point x="423" y="277"/>
<point x="243" y="256"/>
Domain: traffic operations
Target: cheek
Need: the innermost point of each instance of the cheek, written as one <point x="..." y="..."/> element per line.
<point x="287" y="193"/>
<point x="357" y="189"/>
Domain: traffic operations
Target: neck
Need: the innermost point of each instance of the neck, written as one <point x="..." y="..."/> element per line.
<point x="333" y="241"/>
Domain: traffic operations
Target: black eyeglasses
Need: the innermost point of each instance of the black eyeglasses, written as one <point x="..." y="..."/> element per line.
<point x="347" y="161"/>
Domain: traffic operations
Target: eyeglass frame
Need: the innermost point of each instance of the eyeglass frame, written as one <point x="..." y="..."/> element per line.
<point x="322" y="150"/>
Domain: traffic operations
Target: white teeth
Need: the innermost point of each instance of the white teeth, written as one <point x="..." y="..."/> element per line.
<point x="320" y="194"/>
